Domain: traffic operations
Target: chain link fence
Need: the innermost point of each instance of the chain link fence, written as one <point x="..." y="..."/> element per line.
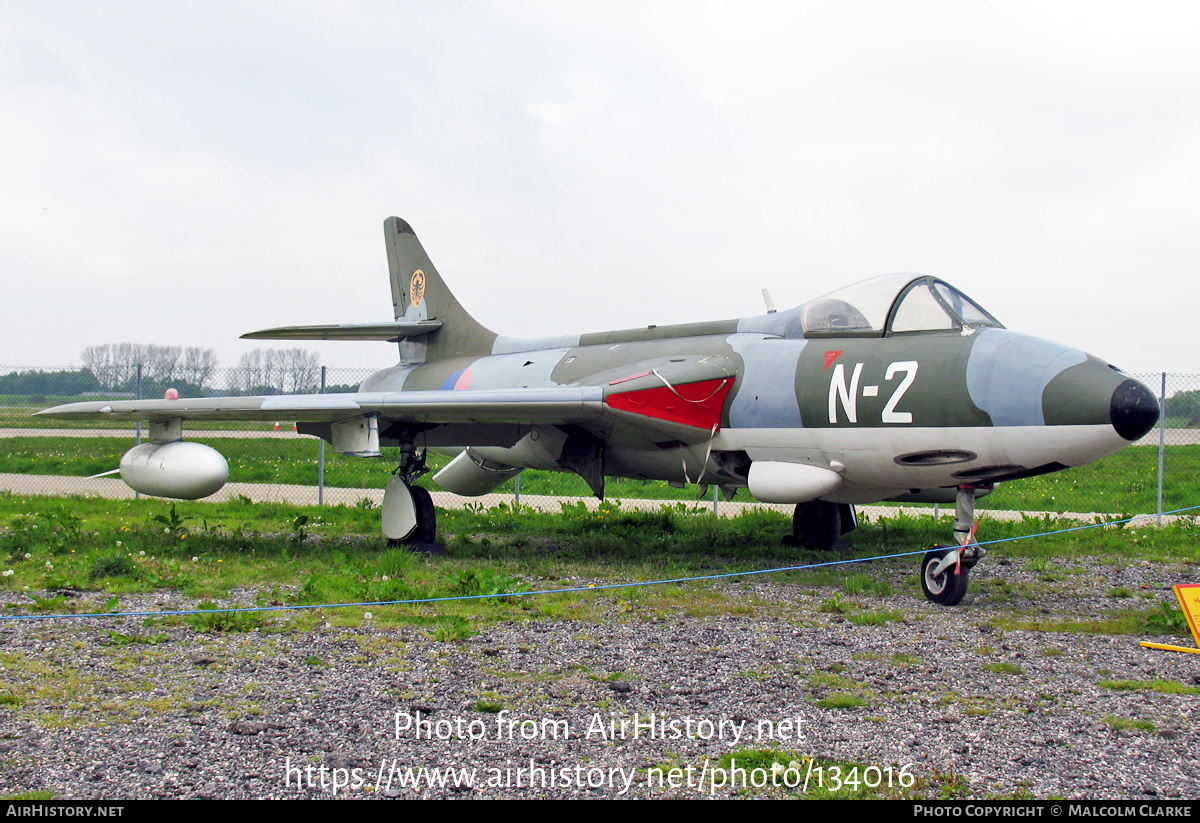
<point x="271" y="461"/>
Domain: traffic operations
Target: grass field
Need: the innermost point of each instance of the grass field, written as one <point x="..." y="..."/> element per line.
<point x="1123" y="483"/>
<point x="51" y="547"/>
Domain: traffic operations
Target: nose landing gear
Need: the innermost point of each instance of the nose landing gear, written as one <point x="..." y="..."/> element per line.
<point x="944" y="571"/>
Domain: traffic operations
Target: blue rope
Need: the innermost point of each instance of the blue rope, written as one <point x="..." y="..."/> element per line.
<point x="577" y="588"/>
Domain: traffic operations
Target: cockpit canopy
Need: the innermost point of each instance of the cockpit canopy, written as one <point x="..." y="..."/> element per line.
<point x="893" y="304"/>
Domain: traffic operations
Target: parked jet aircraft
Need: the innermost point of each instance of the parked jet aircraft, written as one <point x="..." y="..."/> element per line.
<point x="895" y="388"/>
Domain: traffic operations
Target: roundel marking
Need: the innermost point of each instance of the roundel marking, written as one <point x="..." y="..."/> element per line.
<point x="416" y="288"/>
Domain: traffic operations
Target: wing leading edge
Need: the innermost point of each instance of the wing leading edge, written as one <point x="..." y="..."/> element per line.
<point x="564" y="406"/>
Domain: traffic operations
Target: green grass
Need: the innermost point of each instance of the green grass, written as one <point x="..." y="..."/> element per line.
<point x="1160" y="686"/>
<point x="1135" y="621"/>
<point x="122" y="547"/>
<point x="1124" y="482"/>
<point x="1128" y="724"/>
<point x="225" y="621"/>
<point x="841" y="700"/>
<point x="118" y="547"/>
<point x="837" y="691"/>
<point x="863" y="582"/>
<point x="875" y="618"/>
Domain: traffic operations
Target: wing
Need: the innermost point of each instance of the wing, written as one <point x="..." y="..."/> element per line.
<point x="555" y="405"/>
<point x="638" y="408"/>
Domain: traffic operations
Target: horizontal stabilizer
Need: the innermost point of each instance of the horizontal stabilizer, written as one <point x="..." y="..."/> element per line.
<point x="391" y="331"/>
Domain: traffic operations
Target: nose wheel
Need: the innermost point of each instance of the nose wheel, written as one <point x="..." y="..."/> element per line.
<point x="944" y="571"/>
<point x="944" y="577"/>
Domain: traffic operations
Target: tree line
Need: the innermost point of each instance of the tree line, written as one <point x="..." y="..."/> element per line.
<point x="113" y="368"/>
<point x="115" y="365"/>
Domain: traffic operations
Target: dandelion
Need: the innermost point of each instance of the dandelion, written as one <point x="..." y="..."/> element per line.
<point x="195" y="559"/>
<point x="7" y="573"/>
<point x="28" y="555"/>
<point x="386" y="578"/>
<point x="366" y="615"/>
<point x="118" y="544"/>
<point x="49" y="565"/>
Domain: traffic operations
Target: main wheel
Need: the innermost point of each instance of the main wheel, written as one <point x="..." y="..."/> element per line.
<point x="947" y="588"/>
<point x="817" y="524"/>
<point x="426" y="530"/>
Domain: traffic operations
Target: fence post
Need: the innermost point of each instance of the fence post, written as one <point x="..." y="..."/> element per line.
<point x="715" y="487"/>
<point x="1162" y="430"/>
<point x="517" y="492"/>
<point x="137" y="495"/>
<point x="321" y="457"/>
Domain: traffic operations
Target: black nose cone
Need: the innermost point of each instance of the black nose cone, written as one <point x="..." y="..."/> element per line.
<point x="1133" y="410"/>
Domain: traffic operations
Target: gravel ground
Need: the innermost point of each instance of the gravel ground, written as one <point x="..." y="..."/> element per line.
<point x="962" y="706"/>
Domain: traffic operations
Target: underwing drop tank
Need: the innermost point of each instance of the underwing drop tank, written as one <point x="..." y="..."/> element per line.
<point x="774" y="482"/>
<point x="471" y="475"/>
<point x="185" y="471"/>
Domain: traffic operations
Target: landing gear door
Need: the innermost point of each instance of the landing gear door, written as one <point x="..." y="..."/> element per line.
<point x="399" y="513"/>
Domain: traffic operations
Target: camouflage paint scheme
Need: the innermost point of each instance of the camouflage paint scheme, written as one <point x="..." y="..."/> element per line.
<point x="887" y="413"/>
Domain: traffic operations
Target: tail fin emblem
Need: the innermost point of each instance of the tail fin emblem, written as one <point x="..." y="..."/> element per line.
<point x="416" y="288"/>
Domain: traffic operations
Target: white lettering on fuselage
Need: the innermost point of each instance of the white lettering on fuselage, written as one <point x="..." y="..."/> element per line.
<point x="847" y="395"/>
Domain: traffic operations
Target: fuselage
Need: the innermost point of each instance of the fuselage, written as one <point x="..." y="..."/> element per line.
<point x="890" y="414"/>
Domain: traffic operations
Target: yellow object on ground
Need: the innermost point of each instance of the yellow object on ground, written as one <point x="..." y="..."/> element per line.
<point x="1189" y="601"/>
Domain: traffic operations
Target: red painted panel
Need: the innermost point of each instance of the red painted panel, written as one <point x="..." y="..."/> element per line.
<point x="693" y="404"/>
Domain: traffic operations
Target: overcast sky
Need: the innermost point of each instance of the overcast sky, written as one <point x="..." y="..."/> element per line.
<point x="181" y="173"/>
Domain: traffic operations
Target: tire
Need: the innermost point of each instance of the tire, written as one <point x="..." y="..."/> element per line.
<point x="817" y="525"/>
<point x="948" y="588"/>
<point x="426" y="530"/>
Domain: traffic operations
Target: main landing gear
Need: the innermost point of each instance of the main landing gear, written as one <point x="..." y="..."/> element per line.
<point x="818" y="524"/>
<point x="409" y="518"/>
<point x="944" y="571"/>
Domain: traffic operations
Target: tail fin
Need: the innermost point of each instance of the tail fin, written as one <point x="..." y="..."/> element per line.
<point x="419" y="293"/>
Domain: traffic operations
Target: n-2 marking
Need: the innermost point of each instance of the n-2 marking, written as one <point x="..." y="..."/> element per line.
<point x="847" y="395"/>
